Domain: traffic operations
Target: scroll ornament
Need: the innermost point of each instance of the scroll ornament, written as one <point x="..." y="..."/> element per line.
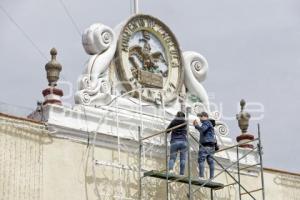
<point x="94" y="87"/>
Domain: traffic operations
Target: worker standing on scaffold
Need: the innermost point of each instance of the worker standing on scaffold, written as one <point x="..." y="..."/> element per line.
<point x="208" y="144"/>
<point x="178" y="141"/>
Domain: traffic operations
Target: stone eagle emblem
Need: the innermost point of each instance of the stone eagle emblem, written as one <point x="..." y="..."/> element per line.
<point x="148" y="59"/>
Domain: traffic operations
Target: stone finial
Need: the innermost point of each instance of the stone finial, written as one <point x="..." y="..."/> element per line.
<point x="243" y="104"/>
<point x="52" y="94"/>
<point x="243" y="117"/>
<point x="53" y="69"/>
<point x="243" y="120"/>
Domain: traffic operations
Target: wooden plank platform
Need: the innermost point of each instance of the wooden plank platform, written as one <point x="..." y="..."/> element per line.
<point x="182" y="179"/>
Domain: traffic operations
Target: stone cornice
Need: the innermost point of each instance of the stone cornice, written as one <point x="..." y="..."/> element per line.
<point x="80" y="123"/>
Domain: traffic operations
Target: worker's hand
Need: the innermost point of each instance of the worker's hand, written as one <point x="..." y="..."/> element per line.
<point x="195" y="122"/>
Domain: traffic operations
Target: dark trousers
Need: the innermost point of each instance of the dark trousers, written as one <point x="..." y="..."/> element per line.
<point x="206" y="153"/>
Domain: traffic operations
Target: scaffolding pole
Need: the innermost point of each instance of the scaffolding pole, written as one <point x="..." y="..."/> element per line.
<point x="188" y="110"/>
<point x="190" y="194"/>
<point x="140" y="163"/>
<point x="226" y="169"/>
<point x="261" y="162"/>
<point x="238" y="171"/>
<point x="167" y="165"/>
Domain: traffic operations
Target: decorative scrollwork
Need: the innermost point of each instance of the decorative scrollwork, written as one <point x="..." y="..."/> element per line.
<point x="216" y="115"/>
<point x="197" y="65"/>
<point x="222" y="129"/>
<point x="107" y="37"/>
<point x="86" y="98"/>
<point x="195" y="68"/>
<point x="97" y="38"/>
<point x="100" y="42"/>
<point x="105" y="86"/>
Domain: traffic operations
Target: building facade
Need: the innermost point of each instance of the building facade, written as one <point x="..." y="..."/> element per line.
<point x="135" y="80"/>
<point x="47" y="161"/>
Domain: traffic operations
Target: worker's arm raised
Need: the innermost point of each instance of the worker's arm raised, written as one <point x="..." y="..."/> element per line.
<point x="203" y="128"/>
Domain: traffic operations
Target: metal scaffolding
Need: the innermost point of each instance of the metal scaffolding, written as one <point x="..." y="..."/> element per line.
<point x="164" y="174"/>
<point x="170" y="177"/>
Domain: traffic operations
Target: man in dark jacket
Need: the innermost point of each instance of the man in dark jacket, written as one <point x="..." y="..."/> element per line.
<point x="178" y="141"/>
<point x="207" y="144"/>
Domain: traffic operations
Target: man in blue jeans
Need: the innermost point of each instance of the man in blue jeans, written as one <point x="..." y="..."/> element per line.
<point x="178" y="141"/>
<point x="208" y="143"/>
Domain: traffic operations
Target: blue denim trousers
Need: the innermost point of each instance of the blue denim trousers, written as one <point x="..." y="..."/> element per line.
<point x="206" y="153"/>
<point x="181" y="147"/>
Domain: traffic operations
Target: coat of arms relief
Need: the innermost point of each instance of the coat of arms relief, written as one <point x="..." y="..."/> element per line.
<point x="147" y="58"/>
<point x="150" y="60"/>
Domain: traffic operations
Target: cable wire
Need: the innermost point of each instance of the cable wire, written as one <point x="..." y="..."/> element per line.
<point x="70" y="17"/>
<point x="22" y="31"/>
<point x="12" y="20"/>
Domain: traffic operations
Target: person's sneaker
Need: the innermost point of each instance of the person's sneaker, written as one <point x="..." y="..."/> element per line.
<point x="201" y="178"/>
<point x="171" y="171"/>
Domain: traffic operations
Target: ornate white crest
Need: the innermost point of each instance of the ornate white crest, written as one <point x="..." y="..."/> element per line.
<point x="146" y="55"/>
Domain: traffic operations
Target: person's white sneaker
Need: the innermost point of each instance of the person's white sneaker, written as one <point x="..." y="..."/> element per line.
<point x="201" y="178"/>
<point x="171" y="171"/>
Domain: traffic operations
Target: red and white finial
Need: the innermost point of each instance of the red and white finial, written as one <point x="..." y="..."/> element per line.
<point x="51" y="94"/>
<point x="243" y="120"/>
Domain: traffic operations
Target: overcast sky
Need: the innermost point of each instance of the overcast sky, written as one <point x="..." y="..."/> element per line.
<point x="252" y="46"/>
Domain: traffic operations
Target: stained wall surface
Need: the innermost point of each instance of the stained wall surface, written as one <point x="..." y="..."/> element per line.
<point x="35" y="164"/>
